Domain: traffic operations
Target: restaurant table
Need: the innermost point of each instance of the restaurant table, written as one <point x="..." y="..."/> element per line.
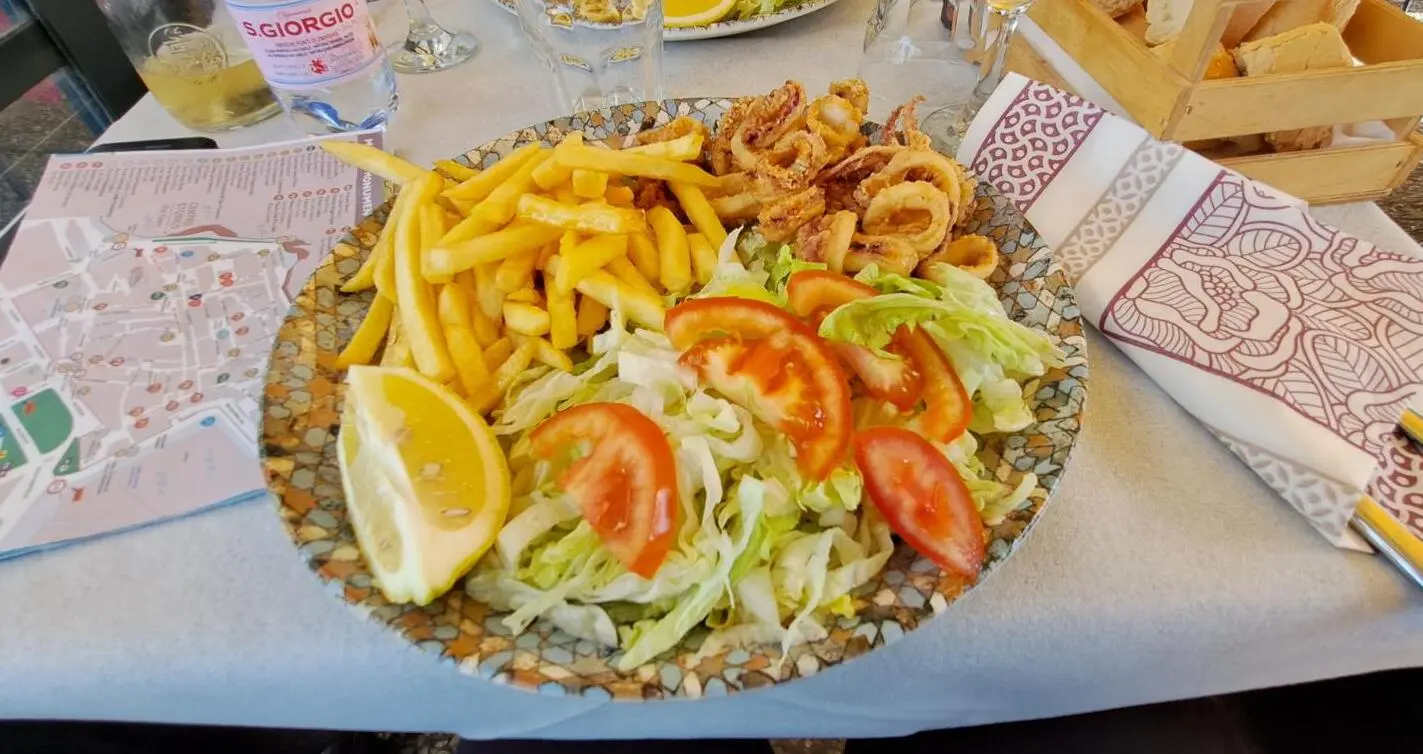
<point x="1162" y="569"/>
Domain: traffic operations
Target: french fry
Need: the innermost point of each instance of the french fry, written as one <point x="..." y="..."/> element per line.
<point x="487" y="294"/>
<point x="562" y="315"/>
<point x="525" y="319"/>
<point x="639" y="306"/>
<point x="492" y="247"/>
<point x="499" y="206"/>
<point x="682" y="149"/>
<point x="703" y="257"/>
<point x="584" y="218"/>
<point x="564" y="194"/>
<point x="384" y="274"/>
<point x="673" y="258"/>
<point x="369" y="335"/>
<point x="592" y="316"/>
<point x="455" y="170"/>
<point x="623" y="162"/>
<point x="526" y="296"/>
<point x="550" y="175"/>
<point x="432" y="229"/>
<point x="589" y="184"/>
<point x="465" y="352"/>
<point x="627" y="272"/>
<point x="479" y="187"/>
<point x="545" y="353"/>
<point x="397" y="348"/>
<point x="493" y="389"/>
<point x="364" y="278"/>
<point x="498" y="352"/>
<point x="699" y="211"/>
<point x="516" y="272"/>
<point x="469" y="227"/>
<point x="619" y="196"/>
<point x="470" y="370"/>
<point x="418" y="317"/>
<point x="486" y="328"/>
<point x="643" y="253"/>
<point x="372" y="160"/>
<point x="587" y="257"/>
<point x="545" y="254"/>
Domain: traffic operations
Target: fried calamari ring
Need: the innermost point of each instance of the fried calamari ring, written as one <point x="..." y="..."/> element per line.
<point x="855" y="91"/>
<point x="779" y="220"/>
<point x="827" y="239"/>
<point x="841" y="181"/>
<point x="918" y="165"/>
<point x="766" y="121"/>
<point x="837" y="122"/>
<point x="889" y="253"/>
<point x="914" y="211"/>
<point x="974" y="254"/>
<point x="680" y="126"/>
<point x="790" y="166"/>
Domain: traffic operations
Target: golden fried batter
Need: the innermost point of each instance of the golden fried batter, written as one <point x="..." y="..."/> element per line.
<point x="889" y="253"/>
<point x="780" y="220"/>
<point x="975" y="254"/>
<point x="914" y="211"/>
<point x="680" y="126"/>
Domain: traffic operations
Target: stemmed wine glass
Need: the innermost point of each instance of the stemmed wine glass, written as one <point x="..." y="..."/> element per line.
<point x="428" y="46"/>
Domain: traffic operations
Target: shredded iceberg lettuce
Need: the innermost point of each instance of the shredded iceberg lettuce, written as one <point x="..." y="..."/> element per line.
<point x="761" y="555"/>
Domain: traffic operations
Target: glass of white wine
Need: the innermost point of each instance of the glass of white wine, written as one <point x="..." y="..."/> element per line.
<point x="428" y="46"/>
<point x="189" y="54"/>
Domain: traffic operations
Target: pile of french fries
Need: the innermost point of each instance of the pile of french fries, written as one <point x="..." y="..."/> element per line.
<point x="481" y="274"/>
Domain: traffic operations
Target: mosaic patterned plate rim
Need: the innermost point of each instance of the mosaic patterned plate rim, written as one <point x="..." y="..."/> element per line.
<point x="301" y="409"/>
<point x="722" y="28"/>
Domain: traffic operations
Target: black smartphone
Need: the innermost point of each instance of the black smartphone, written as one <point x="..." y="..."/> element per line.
<point x="155" y="145"/>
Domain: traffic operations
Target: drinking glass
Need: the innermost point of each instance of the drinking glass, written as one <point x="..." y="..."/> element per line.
<point x="952" y="52"/>
<point x="428" y="46"/>
<point x="601" y="53"/>
<point x="192" y="58"/>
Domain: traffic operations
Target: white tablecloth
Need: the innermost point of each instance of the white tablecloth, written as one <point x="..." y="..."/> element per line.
<point x="1163" y="569"/>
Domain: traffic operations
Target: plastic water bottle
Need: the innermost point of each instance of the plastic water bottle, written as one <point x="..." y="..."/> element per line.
<point x="322" y="59"/>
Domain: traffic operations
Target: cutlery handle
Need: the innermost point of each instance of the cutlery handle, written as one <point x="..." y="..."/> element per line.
<point x="1393" y="541"/>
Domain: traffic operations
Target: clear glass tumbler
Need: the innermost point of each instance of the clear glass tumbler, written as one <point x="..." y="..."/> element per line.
<point x="601" y="52"/>
<point x="192" y="58"/>
<point x="951" y="52"/>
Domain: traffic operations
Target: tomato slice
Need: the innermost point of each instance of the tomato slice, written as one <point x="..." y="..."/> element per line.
<point x="775" y="366"/>
<point x="810" y="292"/>
<point x="815" y="293"/>
<point x="922" y="497"/>
<point x="947" y="410"/>
<point x="626" y="485"/>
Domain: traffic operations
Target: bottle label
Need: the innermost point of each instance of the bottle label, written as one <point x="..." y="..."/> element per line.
<point x="308" y="44"/>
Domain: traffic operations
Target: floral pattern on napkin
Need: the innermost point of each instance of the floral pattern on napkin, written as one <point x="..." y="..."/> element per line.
<point x="1305" y="343"/>
<point x="1259" y="293"/>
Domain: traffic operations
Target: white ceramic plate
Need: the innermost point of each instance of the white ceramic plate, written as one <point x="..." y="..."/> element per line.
<point x="725" y="28"/>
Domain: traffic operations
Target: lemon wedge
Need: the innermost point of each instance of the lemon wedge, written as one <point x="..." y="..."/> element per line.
<point x="679" y="13"/>
<point x="427" y="485"/>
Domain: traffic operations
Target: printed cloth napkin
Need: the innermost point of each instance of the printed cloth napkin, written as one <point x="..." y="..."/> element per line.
<point x="1295" y="344"/>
